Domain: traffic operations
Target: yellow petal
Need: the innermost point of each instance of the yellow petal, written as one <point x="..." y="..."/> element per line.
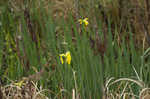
<point x="61" y="55"/>
<point x="80" y="21"/>
<point x="68" y="57"/>
<point x="19" y="84"/>
<point x="86" y="21"/>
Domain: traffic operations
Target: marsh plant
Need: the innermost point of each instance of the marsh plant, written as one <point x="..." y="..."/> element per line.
<point x="74" y="49"/>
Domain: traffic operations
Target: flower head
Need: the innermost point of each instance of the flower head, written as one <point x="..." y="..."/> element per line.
<point x="20" y="83"/>
<point x="66" y="56"/>
<point x="84" y="21"/>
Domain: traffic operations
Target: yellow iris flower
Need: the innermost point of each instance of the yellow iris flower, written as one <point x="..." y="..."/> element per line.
<point x="19" y="84"/>
<point x="84" y="21"/>
<point x="67" y="57"/>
